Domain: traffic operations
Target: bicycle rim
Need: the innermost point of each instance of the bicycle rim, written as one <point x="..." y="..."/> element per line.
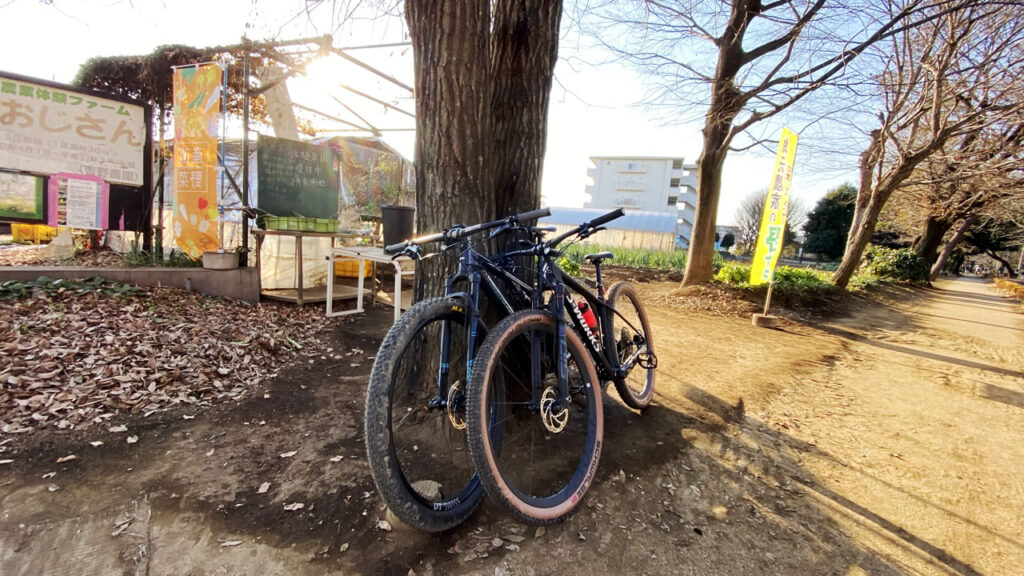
<point x="419" y="456"/>
<point x="631" y="333"/>
<point x="536" y="471"/>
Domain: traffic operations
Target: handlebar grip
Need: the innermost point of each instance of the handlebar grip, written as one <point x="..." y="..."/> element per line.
<point x="605" y="218"/>
<point x="533" y="214"/>
<point x="394" y="248"/>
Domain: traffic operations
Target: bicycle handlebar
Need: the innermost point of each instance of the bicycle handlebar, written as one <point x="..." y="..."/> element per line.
<point x="457" y="232"/>
<point x="591" y="225"/>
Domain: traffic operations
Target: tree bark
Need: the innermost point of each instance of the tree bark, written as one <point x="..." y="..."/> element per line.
<point x="524" y="49"/>
<point x="927" y="245"/>
<point x="961" y="231"/>
<point x="726" y="103"/>
<point x="1002" y="260"/>
<point x="700" y="260"/>
<point x="450" y="48"/>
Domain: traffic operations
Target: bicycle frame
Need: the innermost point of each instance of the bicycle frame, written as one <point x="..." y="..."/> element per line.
<point x="480" y="271"/>
<point x="607" y="369"/>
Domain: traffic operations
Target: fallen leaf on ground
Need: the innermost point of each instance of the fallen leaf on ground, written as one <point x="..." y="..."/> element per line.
<point x="133" y="439"/>
<point x="289" y="454"/>
<point x="384" y="525"/>
<point x="227" y="543"/>
<point x="294" y="506"/>
<point x="67" y="458"/>
<point x="263" y="488"/>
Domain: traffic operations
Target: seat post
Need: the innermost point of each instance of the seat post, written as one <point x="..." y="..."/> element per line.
<point x="600" y="284"/>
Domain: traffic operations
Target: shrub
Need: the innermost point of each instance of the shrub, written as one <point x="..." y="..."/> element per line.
<point x="736" y="274"/>
<point x="800" y="279"/>
<point x="901" y="264"/>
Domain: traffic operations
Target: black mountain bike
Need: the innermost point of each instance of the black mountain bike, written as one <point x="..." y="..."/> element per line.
<point x="415" y="405"/>
<point x="535" y="408"/>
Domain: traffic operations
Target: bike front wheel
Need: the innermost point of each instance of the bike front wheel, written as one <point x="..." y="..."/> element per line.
<point x="536" y="451"/>
<point x="417" y="448"/>
<point x="629" y="339"/>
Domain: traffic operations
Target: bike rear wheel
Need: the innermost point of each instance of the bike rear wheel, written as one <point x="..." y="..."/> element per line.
<point x="417" y="453"/>
<point x="536" y="454"/>
<point x="627" y="335"/>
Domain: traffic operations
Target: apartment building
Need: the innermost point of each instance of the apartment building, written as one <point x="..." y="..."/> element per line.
<point x="647" y="183"/>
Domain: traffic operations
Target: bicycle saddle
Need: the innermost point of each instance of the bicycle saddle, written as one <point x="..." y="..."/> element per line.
<point x="599" y="257"/>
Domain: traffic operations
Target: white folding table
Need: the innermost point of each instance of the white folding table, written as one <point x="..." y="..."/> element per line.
<point x="365" y="255"/>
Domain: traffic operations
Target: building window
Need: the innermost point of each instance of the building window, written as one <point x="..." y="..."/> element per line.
<point x="677" y="164"/>
<point x="628" y="202"/>
<point x="674" y="183"/>
<point x="632" y="167"/>
<point x="631" y="184"/>
<point x="672" y="200"/>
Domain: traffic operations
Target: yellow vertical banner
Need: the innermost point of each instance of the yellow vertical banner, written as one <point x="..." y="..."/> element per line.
<point x="776" y="209"/>
<point x="197" y="95"/>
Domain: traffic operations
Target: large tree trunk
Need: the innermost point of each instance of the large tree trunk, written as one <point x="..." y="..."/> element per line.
<point x="524" y="49"/>
<point x="961" y="231"/>
<point x="1009" y="267"/>
<point x="450" y="47"/>
<point x="927" y="245"/>
<point x="726" y="103"/>
<point x="700" y="260"/>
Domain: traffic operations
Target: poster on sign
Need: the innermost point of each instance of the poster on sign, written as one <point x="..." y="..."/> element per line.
<point x="78" y="201"/>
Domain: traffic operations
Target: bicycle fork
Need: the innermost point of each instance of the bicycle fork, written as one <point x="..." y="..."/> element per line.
<point x="554" y="402"/>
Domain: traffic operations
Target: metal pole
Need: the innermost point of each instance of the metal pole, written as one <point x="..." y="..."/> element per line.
<point x="768" y="298"/>
<point x="245" y="153"/>
<point x="223" y="154"/>
<point x="159" y="248"/>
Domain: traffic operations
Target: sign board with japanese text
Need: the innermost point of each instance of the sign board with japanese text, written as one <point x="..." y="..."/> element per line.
<point x="197" y="96"/>
<point x="21" y="196"/>
<point x="78" y="201"/>
<point x="776" y="210"/>
<point x="297" y="178"/>
<point x="47" y="128"/>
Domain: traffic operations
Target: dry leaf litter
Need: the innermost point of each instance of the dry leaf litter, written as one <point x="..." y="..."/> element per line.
<point x="73" y="360"/>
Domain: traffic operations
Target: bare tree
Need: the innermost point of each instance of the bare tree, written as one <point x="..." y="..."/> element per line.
<point x="951" y="77"/>
<point x="750" y="212"/>
<point x="759" y="59"/>
<point x="979" y="172"/>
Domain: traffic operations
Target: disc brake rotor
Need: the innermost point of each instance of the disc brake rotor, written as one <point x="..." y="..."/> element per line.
<point x="455" y="407"/>
<point x="553" y="421"/>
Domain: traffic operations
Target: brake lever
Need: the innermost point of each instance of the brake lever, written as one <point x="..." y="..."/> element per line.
<point x="412" y="251"/>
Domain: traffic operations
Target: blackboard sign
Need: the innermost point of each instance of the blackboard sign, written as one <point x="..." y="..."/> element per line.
<point x="297" y="178"/>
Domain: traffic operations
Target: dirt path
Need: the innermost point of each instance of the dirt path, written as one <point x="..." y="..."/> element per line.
<point x="917" y="431"/>
<point x="885" y="443"/>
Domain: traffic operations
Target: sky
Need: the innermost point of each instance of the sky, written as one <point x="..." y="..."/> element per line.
<point x="593" y="109"/>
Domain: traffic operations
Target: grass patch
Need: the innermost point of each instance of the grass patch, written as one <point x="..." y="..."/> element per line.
<point x="667" y="260"/>
<point x="797" y="288"/>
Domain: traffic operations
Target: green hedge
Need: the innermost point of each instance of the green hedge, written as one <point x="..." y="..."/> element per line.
<point x="901" y="264"/>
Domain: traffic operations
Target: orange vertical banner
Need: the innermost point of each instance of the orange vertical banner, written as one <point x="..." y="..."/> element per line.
<point x="197" y="95"/>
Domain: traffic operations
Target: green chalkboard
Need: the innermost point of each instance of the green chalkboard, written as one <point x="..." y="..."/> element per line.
<point x="296" y="178"/>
